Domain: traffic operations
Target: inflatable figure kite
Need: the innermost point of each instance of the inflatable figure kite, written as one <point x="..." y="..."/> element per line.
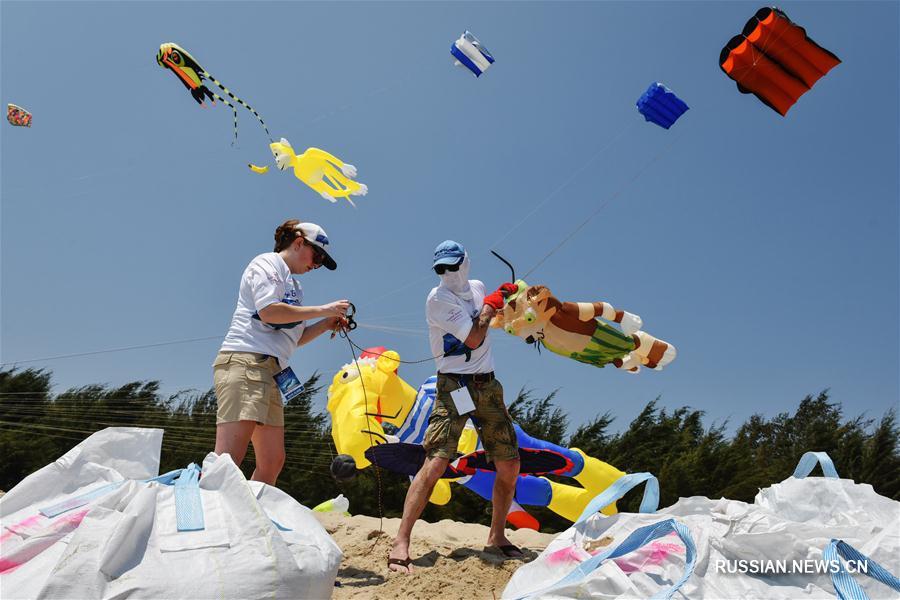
<point x="362" y="398"/>
<point x="323" y="172"/>
<point x="469" y="53"/>
<point x="573" y="329"/>
<point x="192" y="75"/>
<point x="660" y="105"/>
<point x="18" y="116"/>
<point x="774" y="60"/>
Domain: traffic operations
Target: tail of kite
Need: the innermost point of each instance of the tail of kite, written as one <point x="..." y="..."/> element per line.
<point x="239" y="101"/>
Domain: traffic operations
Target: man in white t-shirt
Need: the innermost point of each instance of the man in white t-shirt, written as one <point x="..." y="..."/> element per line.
<point x="459" y="312"/>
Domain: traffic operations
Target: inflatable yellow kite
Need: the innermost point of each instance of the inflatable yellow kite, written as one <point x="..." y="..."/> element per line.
<point x="325" y="173"/>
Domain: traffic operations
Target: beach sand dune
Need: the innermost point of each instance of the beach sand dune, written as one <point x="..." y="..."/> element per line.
<point x="450" y="560"/>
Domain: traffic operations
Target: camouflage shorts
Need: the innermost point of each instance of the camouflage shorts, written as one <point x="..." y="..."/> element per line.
<point x="492" y="420"/>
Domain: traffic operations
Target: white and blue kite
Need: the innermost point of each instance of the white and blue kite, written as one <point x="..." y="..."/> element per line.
<point x="469" y="53"/>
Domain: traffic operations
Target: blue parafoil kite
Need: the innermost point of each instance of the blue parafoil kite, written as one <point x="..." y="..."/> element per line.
<point x="469" y="53"/>
<point x="660" y="105"/>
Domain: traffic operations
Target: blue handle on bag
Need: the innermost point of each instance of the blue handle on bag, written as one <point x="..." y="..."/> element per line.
<point x="619" y="488"/>
<point x="188" y="506"/>
<point x="78" y="501"/>
<point x="808" y="462"/>
<point x="638" y="538"/>
<point x="844" y="584"/>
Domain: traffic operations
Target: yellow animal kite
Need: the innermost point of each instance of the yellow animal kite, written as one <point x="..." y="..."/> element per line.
<point x="323" y="172"/>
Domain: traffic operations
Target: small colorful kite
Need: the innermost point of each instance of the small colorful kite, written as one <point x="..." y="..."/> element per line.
<point x="191" y="75"/>
<point x="775" y="60"/>
<point x="660" y="105"/>
<point x="18" y="116"/>
<point x="469" y="53"/>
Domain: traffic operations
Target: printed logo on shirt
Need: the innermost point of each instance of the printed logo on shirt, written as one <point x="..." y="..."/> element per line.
<point x="455" y="315"/>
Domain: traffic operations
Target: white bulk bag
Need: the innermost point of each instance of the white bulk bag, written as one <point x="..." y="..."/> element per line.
<point x="102" y="534"/>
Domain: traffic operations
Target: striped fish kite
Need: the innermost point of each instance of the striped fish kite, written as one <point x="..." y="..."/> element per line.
<point x="192" y="76"/>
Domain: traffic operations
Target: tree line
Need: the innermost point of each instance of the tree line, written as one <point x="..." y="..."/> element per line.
<point x="688" y="457"/>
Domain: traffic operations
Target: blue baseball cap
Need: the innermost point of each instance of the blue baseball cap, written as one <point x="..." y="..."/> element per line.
<point x="448" y="252"/>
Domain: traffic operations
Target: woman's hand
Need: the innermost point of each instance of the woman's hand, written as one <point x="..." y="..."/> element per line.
<point x="338" y="308"/>
<point x="336" y="324"/>
<point x="332" y="324"/>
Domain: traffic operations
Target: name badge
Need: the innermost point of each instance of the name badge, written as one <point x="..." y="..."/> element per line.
<point x="462" y="399"/>
<point x="288" y="383"/>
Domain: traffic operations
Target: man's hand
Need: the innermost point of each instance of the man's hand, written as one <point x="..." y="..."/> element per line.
<point x="508" y="289"/>
<point x="495" y="299"/>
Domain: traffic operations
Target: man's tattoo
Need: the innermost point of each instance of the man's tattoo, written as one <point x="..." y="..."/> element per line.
<point x="484" y="319"/>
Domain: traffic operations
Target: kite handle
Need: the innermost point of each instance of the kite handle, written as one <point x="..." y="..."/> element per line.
<point x="512" y="269"/>
<point x="351" y="324"/>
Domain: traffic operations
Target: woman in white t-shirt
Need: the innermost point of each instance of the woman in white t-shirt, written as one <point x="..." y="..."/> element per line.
<point x="269" y="322"/>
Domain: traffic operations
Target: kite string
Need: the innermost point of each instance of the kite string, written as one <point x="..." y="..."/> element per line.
<point x="602" y="206"/>
<point x="121" y="349"/>
<point x="345" y="334"/>
<point x="567" y="182"/>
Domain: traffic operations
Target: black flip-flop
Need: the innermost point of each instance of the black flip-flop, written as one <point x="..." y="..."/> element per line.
<point x="508" y="550"/>
<point x="400" y="562"/>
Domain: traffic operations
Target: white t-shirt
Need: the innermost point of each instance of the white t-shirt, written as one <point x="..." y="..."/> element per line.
<point x="449" y="323"/>
<point x="266" y="280"/>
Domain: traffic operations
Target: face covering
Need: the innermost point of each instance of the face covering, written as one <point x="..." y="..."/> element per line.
<point x="457" y="282"/>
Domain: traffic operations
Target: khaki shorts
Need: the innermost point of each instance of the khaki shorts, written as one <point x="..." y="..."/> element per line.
<point x="495" y="427"/>
<point x="246" y="389"/>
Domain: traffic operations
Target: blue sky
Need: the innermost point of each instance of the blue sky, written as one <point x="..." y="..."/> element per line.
<point x="765" y="248"/>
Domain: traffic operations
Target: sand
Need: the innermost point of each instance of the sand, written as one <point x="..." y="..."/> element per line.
<point x="449" y="559"/>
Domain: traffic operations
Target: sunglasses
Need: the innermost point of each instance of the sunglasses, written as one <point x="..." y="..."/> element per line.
<point x="441" y="269"/>
<point x="318" y="254"/>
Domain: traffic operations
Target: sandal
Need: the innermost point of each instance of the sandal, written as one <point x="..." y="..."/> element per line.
<point x="400" y="562"/>
<point x="507" y="550"/>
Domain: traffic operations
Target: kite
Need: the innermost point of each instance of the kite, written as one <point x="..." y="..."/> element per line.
<point x="18" y="116"/>
<point x="192" y="76"/>
<point x="323" y="172"/>
<point x="469" y="53"/>
<point x="407" y="459"/>
<point x="775" y="60"/>
<point x="573" y="330"/>
<point x="367" y="398"/>
<point x="660" y="105"/>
